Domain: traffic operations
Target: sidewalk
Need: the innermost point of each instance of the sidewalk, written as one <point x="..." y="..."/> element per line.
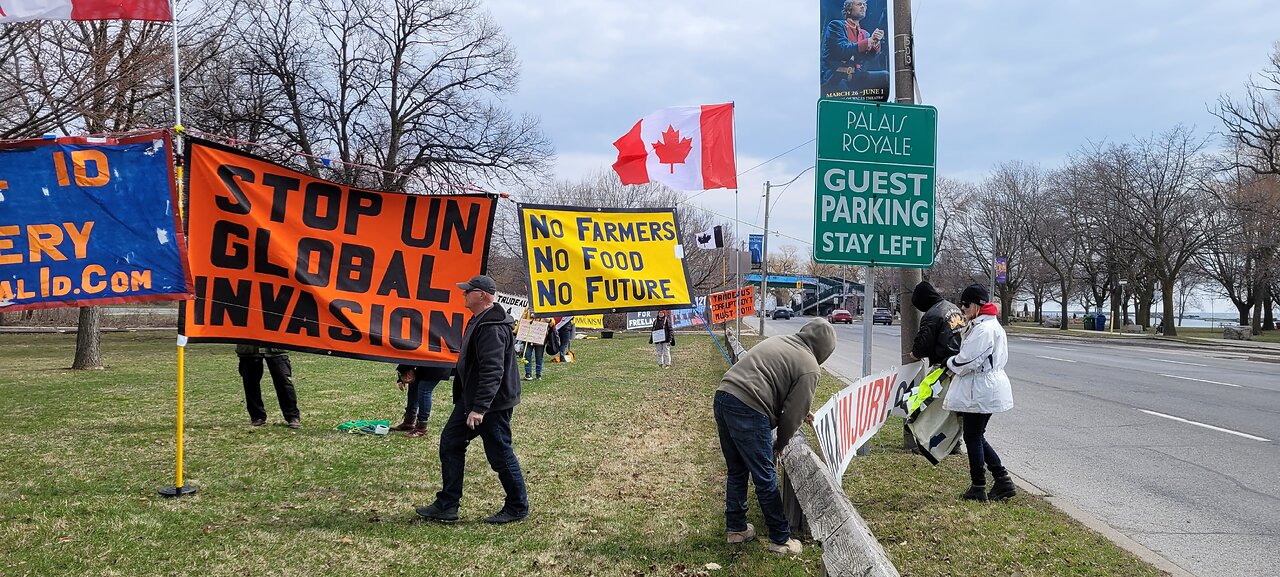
<point x="1256" y="347"/>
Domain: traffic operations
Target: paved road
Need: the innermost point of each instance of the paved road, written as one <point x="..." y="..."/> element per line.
<point x="1176" y="447"/>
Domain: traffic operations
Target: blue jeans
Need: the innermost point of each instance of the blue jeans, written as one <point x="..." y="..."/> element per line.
<point x="566" y="338"/>
<point x="495" y="432"/>
<point x="533" y="354"/>
<point x="747" y="443"/>
<point x="419" y="398"/>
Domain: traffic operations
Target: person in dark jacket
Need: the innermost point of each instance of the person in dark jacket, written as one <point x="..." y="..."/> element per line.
<point x="421" y="381"/>
<point x="939" y="336"/>
<point x="662" y="346"/>
<point x="251" y="359"/>
<point x="486" y="390"/>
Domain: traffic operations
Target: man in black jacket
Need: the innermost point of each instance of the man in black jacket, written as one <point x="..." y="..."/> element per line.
<point x="939" y="336"/>
<point x="485" y="391"/>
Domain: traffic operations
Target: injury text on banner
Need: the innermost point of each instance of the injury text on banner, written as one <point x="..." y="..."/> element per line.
<point x="603" y="260"/>
<point x="89" y="221"/>
<point x="854" y="415"/>
<point x="284" y="258"/>
<point x="731" y="304"/>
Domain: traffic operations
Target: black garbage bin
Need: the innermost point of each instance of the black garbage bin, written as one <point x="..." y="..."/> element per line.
<point x="1100" y="322"/>
<point x="1088" y="322"/>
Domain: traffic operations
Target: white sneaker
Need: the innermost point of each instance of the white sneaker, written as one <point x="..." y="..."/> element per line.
<point x="791" y="547"/>
<point x="739" y="537"/>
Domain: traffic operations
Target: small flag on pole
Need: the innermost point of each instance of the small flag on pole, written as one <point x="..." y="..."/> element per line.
<point x="711" y="238"/>
<point x="684" y="147"/>
<point x="21" y="10"/>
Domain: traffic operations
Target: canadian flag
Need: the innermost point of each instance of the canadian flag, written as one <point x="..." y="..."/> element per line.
<point x="20" y="10"/>
<point x="684" y="147"/>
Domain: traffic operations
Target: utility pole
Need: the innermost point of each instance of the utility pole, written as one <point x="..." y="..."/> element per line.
<point x="764" y="260"/>
<point x="904" y="62"/>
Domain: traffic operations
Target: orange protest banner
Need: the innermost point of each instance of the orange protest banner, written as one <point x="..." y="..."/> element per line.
<point x="731" y="304"/>
<point x="282" y="258"/>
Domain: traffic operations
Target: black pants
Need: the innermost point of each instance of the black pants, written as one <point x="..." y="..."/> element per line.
<point x="980" y="451"/>
<point x="281" y="377"/>
<point x="495" y="432"/>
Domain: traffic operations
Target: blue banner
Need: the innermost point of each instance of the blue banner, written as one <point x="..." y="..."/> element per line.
<point x="88" y="221"/>
<point x="756" y="245"/>
<point x="856" y="49"/>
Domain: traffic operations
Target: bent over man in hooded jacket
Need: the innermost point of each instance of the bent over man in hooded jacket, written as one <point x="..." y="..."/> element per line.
<point x="770" y="386"/>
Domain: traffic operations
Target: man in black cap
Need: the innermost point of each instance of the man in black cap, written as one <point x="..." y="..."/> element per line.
<point x="485" y="391"/>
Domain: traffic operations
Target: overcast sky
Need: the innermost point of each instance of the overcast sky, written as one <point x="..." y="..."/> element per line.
<point x="1011" y="80"/>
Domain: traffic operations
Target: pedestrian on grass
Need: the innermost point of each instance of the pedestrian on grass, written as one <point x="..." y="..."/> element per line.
<point x="420" y="381"/>
<point x="772" y="385"/>
<point x="979" y="389"/>
<point x="565" y="329"/>
<point x="938" y="338"/>
<point x="486" y="390"/>
<point x="662" y="338"/>
<point x="277" y="360"/>
<point x="533" y="352"/>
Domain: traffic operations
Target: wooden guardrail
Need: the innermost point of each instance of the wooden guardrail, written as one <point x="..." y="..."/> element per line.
<point x="848" y="547"/>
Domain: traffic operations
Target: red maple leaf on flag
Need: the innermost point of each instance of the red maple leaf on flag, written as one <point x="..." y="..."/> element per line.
<point x="673" y="149"/>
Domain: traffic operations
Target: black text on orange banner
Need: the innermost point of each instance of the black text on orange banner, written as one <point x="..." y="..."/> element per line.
<point x="584" y="260"/>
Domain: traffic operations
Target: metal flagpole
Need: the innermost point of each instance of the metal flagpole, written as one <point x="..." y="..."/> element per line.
<point x="179" y="488"/>
<point x="737" y="230"/>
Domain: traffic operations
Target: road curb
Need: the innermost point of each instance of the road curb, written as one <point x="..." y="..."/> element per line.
<point x="1093" y="523"/>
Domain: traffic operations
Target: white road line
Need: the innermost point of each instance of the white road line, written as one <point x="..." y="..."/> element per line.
<point x="1055" y="359"/>
<point x="1220" y="429"/>
<point x="1177" y="362"/>
<point x="1200" y="380"/>
<point x="1059" y="348"/>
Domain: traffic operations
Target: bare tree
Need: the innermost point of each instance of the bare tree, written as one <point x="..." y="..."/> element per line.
<point x="1052" y="221"/>
<point x="1160" y="183"/>
<point x="388" y="94"/>
<point x="1253" y="124"/>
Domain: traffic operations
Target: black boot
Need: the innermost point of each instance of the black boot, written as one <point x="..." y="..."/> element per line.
<point x="975" y="493"/>
<point x="1003" y="488"/>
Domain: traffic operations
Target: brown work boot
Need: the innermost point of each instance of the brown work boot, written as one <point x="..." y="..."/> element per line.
<point x="791" y="547"/>
<point x="407" y="424"/>
<point x="419" y="429"/>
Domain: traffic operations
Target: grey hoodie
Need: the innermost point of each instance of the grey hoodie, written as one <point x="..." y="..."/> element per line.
<point x="779" y="376"/>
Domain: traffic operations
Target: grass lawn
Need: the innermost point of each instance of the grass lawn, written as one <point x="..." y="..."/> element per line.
<point x="621" y="459"/>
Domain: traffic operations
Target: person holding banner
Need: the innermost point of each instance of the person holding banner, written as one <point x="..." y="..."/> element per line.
<point x="251" y="359"/>
<point x="533" y="352"/>
<point x="979" y="389"/>
<point x="662" y="338"/>
<point x="421" y="382"/>
<point x="772" y="385"/>
<point x="486" y="390"/>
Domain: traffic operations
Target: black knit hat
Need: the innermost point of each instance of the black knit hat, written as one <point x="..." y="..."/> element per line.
<point x="975" y="294"/>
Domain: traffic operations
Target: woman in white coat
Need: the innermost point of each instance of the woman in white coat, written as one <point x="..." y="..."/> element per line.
<point x="979" y="389"/>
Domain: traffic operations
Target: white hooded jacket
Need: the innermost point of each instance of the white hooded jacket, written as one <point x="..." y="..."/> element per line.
<point x="980" y="384"/>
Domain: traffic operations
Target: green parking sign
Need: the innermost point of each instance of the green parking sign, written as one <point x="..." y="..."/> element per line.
<point x="873" y="201"/>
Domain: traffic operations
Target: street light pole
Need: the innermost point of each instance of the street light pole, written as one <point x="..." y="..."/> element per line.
<point x="764" y="249"/>
<point x="905" y="88"/>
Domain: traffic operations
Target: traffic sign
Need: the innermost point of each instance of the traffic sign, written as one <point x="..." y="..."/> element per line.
<point x="873" y="201"/>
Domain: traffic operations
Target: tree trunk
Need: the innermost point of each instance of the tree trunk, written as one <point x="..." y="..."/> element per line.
<point x="1166" y="294"/>
<point x="1243" y="310"/>
<point x="1062" y="320"/>
<point x="89" y="339"/>
<point x="1268" y="321"/>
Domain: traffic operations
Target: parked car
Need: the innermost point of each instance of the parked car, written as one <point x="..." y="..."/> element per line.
<point x="782" y="313"/>
<point x="879" y="315"/>
<point x="840" y="316"/>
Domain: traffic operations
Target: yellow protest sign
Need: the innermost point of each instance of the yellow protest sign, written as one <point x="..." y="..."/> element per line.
<point x="589" y="321"/>
<point x="598" y="260"/>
